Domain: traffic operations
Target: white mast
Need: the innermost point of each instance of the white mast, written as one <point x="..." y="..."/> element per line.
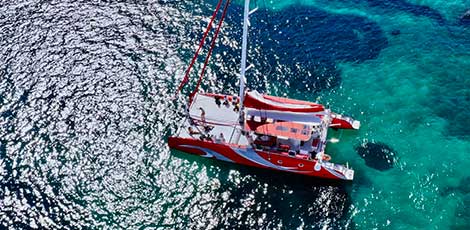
<point x="243" y="60"/>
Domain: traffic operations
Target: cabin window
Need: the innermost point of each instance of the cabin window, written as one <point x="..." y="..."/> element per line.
<point x="301" y="165"/>
<point x="282" y="128"/>
<point x="279" y="162"/>
<point x="294" y="130"/>
<point x="264" y="138"/>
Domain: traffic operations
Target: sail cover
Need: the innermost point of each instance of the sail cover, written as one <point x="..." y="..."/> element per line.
<point x="264" y="102"/>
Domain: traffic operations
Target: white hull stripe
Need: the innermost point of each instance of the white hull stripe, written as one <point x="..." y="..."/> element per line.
<point x="254" y="157"/>
<point x="209" y="153"/>
<point x="332" y="171"/>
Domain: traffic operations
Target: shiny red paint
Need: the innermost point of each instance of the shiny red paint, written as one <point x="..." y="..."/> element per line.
<point x="338" y="123"/>
<point x="295" y="164"/>
<point x="251" y="102"/>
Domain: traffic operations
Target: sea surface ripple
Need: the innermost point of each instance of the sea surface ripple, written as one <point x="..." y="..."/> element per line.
<point x="86" y="106"/>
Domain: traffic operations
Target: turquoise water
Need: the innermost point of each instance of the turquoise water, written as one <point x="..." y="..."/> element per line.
<point x="85" y="111"/>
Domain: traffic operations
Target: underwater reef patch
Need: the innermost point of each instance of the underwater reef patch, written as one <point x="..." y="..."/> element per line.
<point x="377" y="155"/>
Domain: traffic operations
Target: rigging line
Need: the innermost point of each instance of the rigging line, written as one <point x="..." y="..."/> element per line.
<point x="201" y="44"/>
<point x="214" y="38"/>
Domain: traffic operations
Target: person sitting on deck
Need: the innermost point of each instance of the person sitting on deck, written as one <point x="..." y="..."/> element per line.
<point x="226" y="102"/>
<point x="193" y="132"/>
<point x="203" y="115"/>
<point x="208" y="128"/>
<point x="217" y="101"/>
<point x="236" y="107"/>
<point x="209" y="138"/>
<point x="236" y="104"/>
<point x="202" y="136"/>
<point x="221" y="138"/>
<point x="235" y="101"/>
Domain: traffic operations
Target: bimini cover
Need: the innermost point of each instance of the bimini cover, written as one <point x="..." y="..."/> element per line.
<point x="286" y="129"/>
<point x="305" y="118"/>
<point x="265" y="102"/>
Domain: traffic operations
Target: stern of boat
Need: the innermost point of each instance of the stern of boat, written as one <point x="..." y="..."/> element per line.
<point x="340" y="171"/>
<point x="343" y="122"/>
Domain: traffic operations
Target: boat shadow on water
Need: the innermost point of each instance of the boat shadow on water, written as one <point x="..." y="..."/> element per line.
<point x="276" y="198"/>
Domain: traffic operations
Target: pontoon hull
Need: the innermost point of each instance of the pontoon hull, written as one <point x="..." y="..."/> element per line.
<point x="260" y="159"/>
<point x="344" y="123"/>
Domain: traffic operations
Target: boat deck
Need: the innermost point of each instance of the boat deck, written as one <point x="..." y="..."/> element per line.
<point x="213" y="122"/>
<point x="223" y="114"/>
<point x="215" y="119"/>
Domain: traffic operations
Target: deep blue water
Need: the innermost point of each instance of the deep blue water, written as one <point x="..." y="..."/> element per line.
<point x="86" y="107"/>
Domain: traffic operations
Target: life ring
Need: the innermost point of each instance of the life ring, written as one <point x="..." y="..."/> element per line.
<point x="326" y="157"/>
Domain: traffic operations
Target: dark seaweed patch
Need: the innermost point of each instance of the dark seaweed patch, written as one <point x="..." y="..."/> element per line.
<point x="300" y="45"/>
<point x="465" y="18"/>
<point x="462" y="214"/>
<point x="377" y="155"/>
<point x="464" y="185"/>
<point x="451" y="101"/>
<point x="408" y="7"/>
<point x="395" y="32"/>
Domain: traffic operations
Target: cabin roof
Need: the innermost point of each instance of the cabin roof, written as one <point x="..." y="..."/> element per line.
<point x="286" y="129"/>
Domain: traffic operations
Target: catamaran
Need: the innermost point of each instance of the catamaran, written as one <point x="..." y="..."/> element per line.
<point x="256" y="129"/>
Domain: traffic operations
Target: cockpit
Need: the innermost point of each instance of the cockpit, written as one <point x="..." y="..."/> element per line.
<point x="297" y="138"/>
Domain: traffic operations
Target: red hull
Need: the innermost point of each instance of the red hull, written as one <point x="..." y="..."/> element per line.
<point x="341" y="124"/>
<point x="261" y="159"/>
